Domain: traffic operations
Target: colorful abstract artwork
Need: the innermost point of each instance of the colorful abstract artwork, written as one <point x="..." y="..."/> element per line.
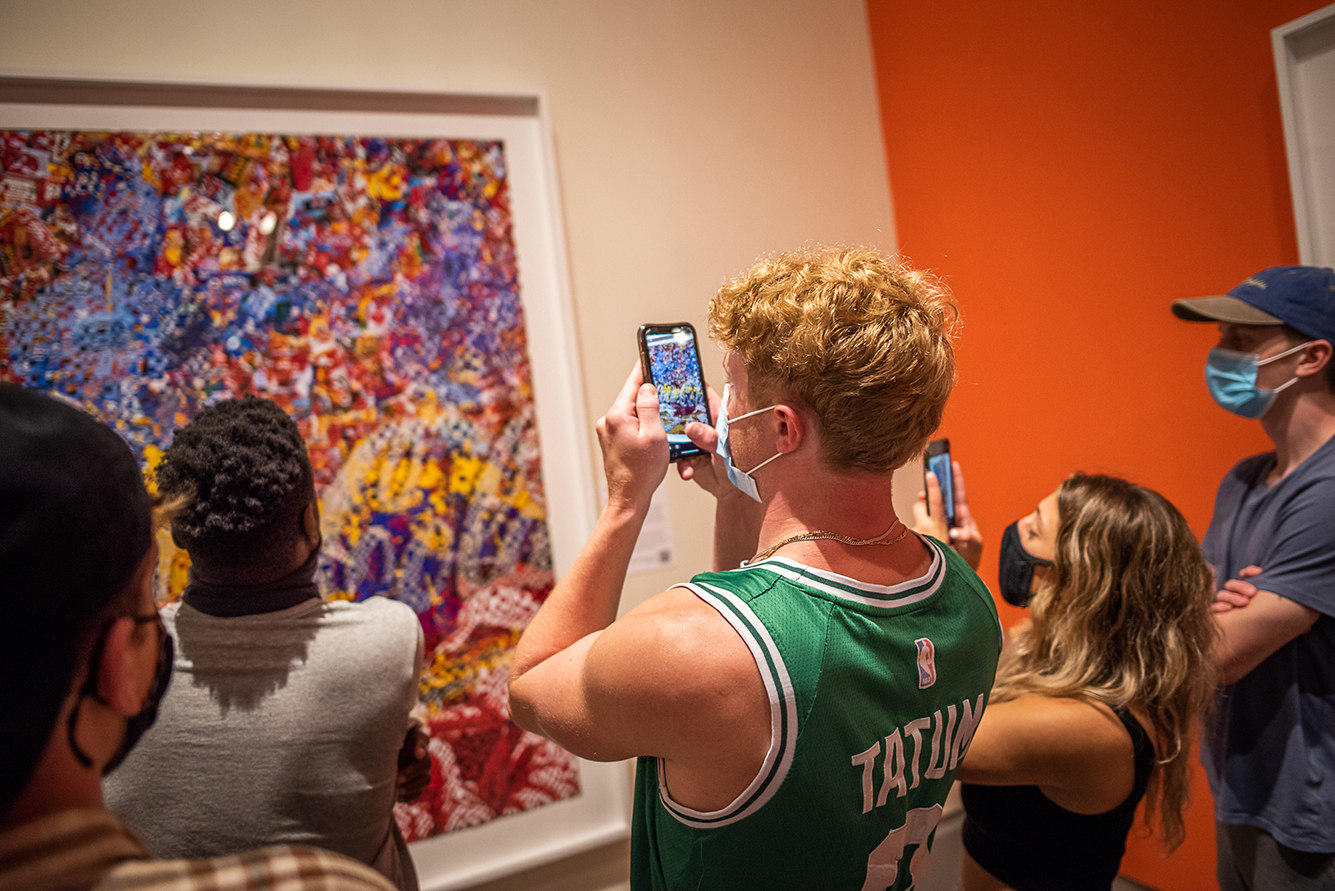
<point x="370" y="287"/>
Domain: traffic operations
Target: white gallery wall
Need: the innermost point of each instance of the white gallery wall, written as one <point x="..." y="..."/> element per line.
<point x="690" y="137"/>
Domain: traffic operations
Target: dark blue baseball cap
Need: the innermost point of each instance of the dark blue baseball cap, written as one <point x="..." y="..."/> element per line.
<point x="1302" y="297"/>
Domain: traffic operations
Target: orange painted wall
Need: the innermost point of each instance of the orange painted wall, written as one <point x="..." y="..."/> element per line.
<point x="1071" y="168"/>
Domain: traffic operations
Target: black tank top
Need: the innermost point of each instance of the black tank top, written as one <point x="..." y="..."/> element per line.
<point x="1020" y="836"/>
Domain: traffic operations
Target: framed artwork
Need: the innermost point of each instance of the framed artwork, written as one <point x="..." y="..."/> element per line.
<point x="388" y="267"/>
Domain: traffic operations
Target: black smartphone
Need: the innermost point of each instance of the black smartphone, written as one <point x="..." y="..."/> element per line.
<point x="937" y="460"/>
<point x="670" y="357"/>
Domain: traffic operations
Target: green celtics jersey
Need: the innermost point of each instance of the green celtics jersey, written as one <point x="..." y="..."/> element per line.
<point x="875" y="692"/>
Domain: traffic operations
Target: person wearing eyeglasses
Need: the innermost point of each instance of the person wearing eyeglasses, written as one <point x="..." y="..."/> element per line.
<point x="85" y="661"/>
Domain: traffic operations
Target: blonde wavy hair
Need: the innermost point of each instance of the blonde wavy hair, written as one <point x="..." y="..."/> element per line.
<point x="853" y="335"/>
<point x="1125" y="620"/>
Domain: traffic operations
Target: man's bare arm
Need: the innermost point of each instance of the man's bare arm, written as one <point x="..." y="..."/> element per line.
<point x="585" y="601"/>
<point x="1247" y="637"/>
<point x="661" y="681"/>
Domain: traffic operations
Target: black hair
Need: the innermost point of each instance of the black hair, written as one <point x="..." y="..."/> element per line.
<point x="243" y="466"/>
<point x="75" y="526"/>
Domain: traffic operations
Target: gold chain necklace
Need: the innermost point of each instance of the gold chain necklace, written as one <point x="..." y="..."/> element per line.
<point x="834" y="536"/>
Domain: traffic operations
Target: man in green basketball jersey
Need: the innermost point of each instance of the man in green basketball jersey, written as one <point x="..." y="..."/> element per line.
<point x="800" y="712"/>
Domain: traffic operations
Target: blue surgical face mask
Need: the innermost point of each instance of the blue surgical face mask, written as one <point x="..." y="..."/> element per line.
<point x="1231" y="377"/>
<point x="740" y="478"/>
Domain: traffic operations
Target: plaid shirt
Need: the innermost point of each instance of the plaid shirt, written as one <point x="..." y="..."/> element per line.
<point x="92" y="849"/>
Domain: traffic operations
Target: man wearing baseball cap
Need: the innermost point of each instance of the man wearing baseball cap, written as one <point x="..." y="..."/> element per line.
<point x="1269" y="748"/>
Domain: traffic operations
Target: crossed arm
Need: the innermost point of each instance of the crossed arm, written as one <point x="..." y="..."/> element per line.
<point x="1253" y="624"/>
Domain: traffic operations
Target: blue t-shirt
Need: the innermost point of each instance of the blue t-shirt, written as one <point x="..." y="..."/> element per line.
<point x="1270" y="747"/>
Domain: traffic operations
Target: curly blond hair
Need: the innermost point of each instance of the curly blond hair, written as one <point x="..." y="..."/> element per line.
<point x="856" y="337"/>
<point x="1125" y="620"/>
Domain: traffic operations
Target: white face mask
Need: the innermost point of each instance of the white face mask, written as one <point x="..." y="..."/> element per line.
<point x="742" y="479"/>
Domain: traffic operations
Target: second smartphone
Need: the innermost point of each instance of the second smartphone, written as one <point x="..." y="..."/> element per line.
<point x="937" y="460"/>
<point x="670" y="358"/>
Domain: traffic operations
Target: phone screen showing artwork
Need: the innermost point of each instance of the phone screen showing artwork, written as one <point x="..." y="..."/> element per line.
<point x="671" y="360"/>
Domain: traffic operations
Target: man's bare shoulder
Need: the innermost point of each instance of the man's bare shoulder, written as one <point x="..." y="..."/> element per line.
<point x="690" y="646"/>
<point x="659" y="681"/>
<point x="675" y="668"/>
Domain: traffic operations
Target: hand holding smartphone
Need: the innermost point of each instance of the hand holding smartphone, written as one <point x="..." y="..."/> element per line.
<point x="937" y="460"/>
<point x="670" y="358"/>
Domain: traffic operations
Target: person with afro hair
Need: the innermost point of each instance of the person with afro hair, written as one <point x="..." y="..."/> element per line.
<point x="290" y="715"/>
<point x="85" y="660"/>
<point x="251" y="505"/>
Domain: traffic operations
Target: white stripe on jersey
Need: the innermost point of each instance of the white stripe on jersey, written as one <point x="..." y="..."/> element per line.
<point x="877" y="595"/>
<point x="782" y="710"/>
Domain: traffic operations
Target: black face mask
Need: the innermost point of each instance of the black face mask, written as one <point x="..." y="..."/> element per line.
<point x="138" y="723"/>
<point x="1017" y="567"/>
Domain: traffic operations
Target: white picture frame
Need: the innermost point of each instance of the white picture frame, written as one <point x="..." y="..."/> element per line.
<point x="600" y="814"/>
